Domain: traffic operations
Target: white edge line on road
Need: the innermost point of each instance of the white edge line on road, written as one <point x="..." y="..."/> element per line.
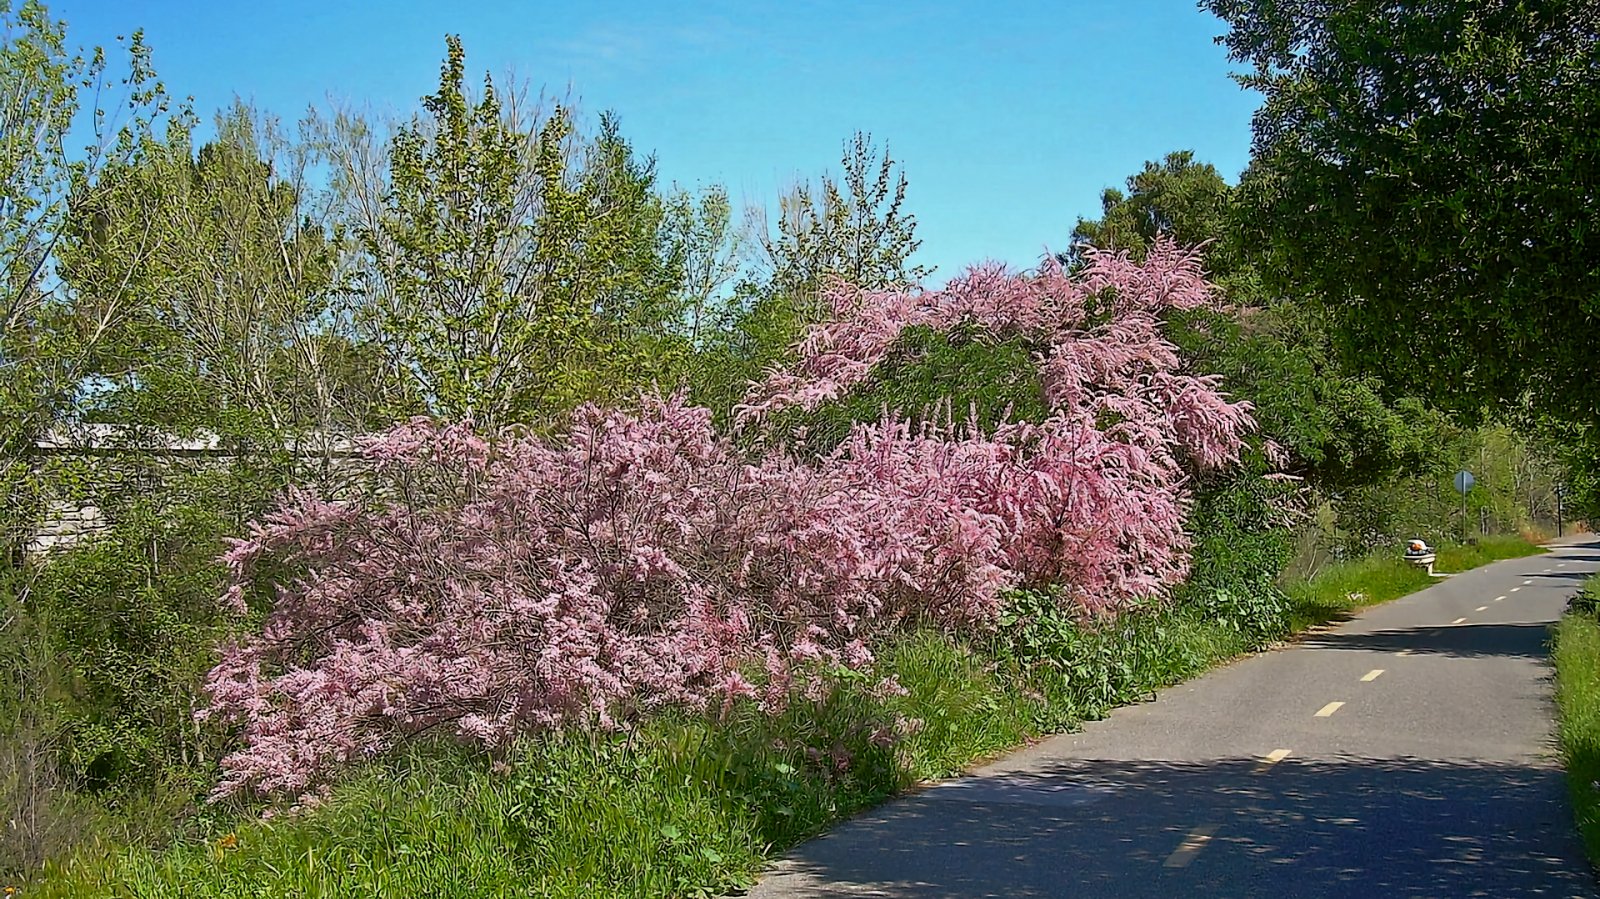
<point x="1328" y="710"/>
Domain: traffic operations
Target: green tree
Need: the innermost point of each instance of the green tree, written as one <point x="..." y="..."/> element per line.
<point x="44" y="339"/>
<point x="1186" y="200"/>
<point x="1337" y="426"/>
<point x="702" y="244"/>
<point x="231" y="275"/>
<point x="853" y="227"/>
<point x="512" y="270"/>
<point x="1430" y="171"/>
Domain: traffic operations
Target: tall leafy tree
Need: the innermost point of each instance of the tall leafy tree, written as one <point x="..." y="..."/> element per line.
<point x="228" y="259"/>
<point x="1432" y="171"/>
<point x="703" y="245"/>
<point x="853" y="227"/>
<point x="1186" y="200"/>
<point x="447" y="253"/>
<point x="46" y="335"/>
<point x="513" y="269"/>
<point x="1338" y="426"/>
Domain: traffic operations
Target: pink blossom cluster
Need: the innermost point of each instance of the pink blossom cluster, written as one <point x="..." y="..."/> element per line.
<point x="1098" y="333"/>
<point x="487" y="588"/>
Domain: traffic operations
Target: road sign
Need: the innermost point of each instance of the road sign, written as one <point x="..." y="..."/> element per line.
<point x="1464" y="481"/>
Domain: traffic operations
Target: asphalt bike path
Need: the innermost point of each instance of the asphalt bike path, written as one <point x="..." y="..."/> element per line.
<point x="1406" y="752"/>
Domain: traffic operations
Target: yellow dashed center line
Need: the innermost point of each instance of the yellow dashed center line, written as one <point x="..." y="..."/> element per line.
<point x="1458" y="621"/>
<point x="1526" y="583"/>
<point x="1191" y="846"/>
<point x="1481" y="609"/>
<point x="1515" y="589"/>
<point x="1403" y="653"/>
<point x="1270" y="759"/>
<point x="1328" y="710"/>
<point x="1498" y="598"/>
<point x="1372" y="675"/>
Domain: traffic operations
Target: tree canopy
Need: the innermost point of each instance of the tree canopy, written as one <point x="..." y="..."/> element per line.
<point x="1430" y="170"/>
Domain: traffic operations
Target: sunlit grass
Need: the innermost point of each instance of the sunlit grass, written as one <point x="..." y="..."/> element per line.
<point x="1577" y="661"/>
<point x="1343" y="587"/>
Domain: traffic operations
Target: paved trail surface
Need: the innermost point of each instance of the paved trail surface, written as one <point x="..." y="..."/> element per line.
<point x="1407" y="752"/>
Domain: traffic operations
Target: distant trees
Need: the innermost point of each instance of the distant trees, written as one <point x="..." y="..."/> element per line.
<point x="1186" y="200"/>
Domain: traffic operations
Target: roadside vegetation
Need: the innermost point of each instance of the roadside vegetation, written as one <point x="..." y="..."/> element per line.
<point x="1341" y="587"/>
<point x="1577" y="659"/>
<point x="688" y="806"/>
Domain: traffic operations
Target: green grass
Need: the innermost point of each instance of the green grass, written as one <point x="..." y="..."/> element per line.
<point x="683" y="807"/>
<point x="1342" y="587"/>
<point x="1577" y="661"/>
<point x="693" y="806"/>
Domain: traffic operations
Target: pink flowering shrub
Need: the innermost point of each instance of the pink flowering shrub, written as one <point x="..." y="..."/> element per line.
<point x="491" y="588"/>
<point x="1102" y="354"/>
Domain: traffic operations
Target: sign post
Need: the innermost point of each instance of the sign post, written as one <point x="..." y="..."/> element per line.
<point x="1464" y="482"/>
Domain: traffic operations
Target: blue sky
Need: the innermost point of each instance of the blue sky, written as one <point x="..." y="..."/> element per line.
<point x="1009" y="117"/>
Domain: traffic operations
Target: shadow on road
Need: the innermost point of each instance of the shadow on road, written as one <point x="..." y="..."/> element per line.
<point x="1461" y="640"/>
<point x="1356" y="827"/>
<point x="1565" y="575"/>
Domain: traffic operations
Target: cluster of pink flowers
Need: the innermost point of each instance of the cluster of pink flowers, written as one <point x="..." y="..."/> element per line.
<point x="494" y="587"/>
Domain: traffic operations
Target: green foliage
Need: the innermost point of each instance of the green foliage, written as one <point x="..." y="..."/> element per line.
<point x="854" y="228"/>
<point x="1425" y="170"/>
<point x="511" y="280"/>
<point x="132" y="619"/>
<point x="455" y="320"/>
<point x="1514" y="493"/>
<point x="1576" y="652"/>
<point x="1575" y="452"/>
<point x="1340" y="430"/>
<point x="225" y="283"/>
<point x="41" y="172"/>
<point x="1187" y="200"/>
<point x="1242" y="543"/>
<point x="701" y="243"/>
